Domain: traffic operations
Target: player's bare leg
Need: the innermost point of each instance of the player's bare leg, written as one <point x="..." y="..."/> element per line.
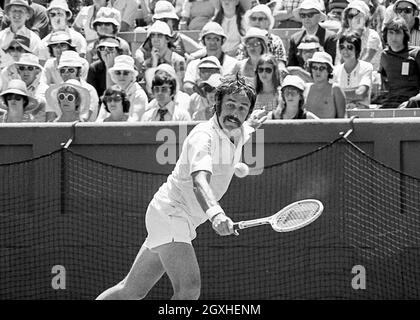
<point x="181" y="265"/>
<point x="147" y="269"/>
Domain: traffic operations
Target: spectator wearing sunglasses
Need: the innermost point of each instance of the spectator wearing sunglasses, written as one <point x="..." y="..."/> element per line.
<point x="324" y="99"/>
<point x="255" y="42"/>
<point x="70" y="100"/>
<point x="59" y="15"/>
<point x="409" y="11"/>
<point x="17" y="105"/>
<point x="356" y="18"/>
<point x="123" y="74"/>
<point x="203" y="101"/>
<point x="267" y="83"/>
<point x="310" y="13"/>
<point x="116" y="104"/>
<point x="164" y="107"/>
<point x="354" y="76"/>
<point x="19" y="12"/>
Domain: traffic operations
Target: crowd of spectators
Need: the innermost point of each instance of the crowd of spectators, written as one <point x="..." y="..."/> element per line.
<point x="65" y="61"/>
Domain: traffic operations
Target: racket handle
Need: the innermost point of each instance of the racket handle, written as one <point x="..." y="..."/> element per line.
<point x="236" y="226"/>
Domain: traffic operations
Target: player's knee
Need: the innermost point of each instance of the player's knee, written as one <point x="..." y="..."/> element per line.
<point x="189" y="290"/>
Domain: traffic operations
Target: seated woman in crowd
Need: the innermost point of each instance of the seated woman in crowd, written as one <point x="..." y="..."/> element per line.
<point x="116" y="104"/>
<point x="231" y="18"/>
<point x="324" y="99"/>
<point x="255" y="42"/>
<point x="353" y="76"/>
<point x="70" y="100"/>
<point x="124" y="75"/>
<point x="195" y="14"/>
<point x="293" y="100"/>
<point x="356" y="18"/>
<point x="202" y="102"/>
<point x="306" y="49"/>
<point x="17" y="105"/>
<point x="267" y="83"/>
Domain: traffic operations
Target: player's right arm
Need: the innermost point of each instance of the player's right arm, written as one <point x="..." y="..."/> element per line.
<point x="221" y="223"/>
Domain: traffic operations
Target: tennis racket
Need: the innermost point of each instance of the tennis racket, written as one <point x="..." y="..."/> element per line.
<point x="295" y="216"/>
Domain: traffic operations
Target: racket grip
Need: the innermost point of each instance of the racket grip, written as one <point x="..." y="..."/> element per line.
<point x="236" y="226"/>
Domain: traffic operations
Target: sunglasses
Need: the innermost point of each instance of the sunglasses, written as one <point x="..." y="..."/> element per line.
<point x="124" y="73"/>
<point x="60" y="45"/>
<point x="113" y="98"/>
<point x="406" y="10"/>
<point x="18" y="49"/>
<point x="349" y="47"/>
<point x="106" y="24"/>
<point x="253" y="44"/>
<point x="266" y="70"/>
<point x="161" y="89"/>
<point x="320" y="68"/>
<point x="307" y="15"/>
<point x="290" y="92"/>
<point x="108" y="49"/>
<point x="15" y="97"/>
<point x="24" y="68"/>
<point x="259" y="19"/>
<point x="17" y="11"/>
<point x="67" y="96"/>
<point x="67" y="70"/>
<point x="59" y="14"/>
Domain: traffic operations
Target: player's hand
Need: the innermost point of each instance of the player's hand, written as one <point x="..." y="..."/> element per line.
<point x="223" y="225"/>
<point x="257" y="118"/>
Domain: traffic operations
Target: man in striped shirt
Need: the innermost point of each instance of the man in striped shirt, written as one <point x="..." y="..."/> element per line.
<point x="409" y="11"/>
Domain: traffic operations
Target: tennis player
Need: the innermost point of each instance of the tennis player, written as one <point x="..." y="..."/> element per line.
<point x="190" y="197"/>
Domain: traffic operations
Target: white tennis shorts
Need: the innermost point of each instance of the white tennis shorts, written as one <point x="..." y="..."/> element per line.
<point x="166" y="223"/>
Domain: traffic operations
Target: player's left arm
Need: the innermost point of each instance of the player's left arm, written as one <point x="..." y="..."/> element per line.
<point x="221" y="223"/>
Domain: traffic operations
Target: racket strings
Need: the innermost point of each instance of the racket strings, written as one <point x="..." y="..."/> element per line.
<point x="297" y="214"/>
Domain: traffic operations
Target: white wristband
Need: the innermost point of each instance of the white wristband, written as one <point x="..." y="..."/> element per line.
<point x="213" y="211"/>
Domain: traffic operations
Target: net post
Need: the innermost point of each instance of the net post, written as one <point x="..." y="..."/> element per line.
<point x="345" y="135"/>
<point x="66" y="145"/>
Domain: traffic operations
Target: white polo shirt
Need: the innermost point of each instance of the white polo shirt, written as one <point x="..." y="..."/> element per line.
<point x="207" y="148"/>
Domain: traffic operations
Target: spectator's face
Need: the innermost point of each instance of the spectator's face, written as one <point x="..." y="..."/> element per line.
<point x="67" y="101"/>
<point x="395" y="39"/>
<point x="68" y="73"/>
<point x="104" y="28"/>
<point x="105" y="51"/>
<point x="210" y="93"/>
<point x="348" y="51"/>
<point x="356" y="19"/>
<point x="229" y="5"/>
<point x="14" y="101"/>
<point x="406" y="11"/>
<point x="265" y="72"/>
<point x="58" y="19"/>
<point x="58" y="49"/>
<point x="27" y="73"/>
<point x="205" y="73"/>
<point x="162" y="94"/>
<point x="235" y="108"/>
<point x="114" y="103"/>
<point x="254" y="46"/>
<point x="159" y="40"/>
<point x="308" y="54"/>
<point x="123" y="78"/>
<point x="213" y="42"/>
<point x="259" y="20"/>
<point x="310" y="18"/>
<point x="18" y="15"/>
<point x="291" y="95"/>
<point x="15" y="50"/>
<point x="319" y="72"/>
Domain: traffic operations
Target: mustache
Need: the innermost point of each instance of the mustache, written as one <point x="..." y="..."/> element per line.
<point x="232" y="118"/>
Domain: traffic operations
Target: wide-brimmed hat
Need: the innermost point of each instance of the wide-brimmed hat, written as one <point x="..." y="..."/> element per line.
<point x="293" y="81"/>
<point x="309" y="45"/>
<point x="212" y="28"/>
<point x="210" y="62"/>
<point x="214" y="80"/>
<point x="70" y="58"/>
<point x="108" y="15"/>
<point x="109" y="42"/>
<point x="29" y="59"/>
<point x="263" y="8"/>
<point x="52" y="99"/>
<point x="123" y="63"/>
<point x="322" y="57"/>
<point x="22" y="41"/>
<point x="17" y="86"/>
<point x="159" y="27"/>
<point x="60" y="37"/>
<point x="256" y="33"/>
<point x="22" y="3"/>
<point x="309" y="4"/>
<point x="60" y="4"/>
<point x="360" y="6"/>
<point x="164" y="10"/>
<point x="338" y="4"/>
<point x="413" y="2"/>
